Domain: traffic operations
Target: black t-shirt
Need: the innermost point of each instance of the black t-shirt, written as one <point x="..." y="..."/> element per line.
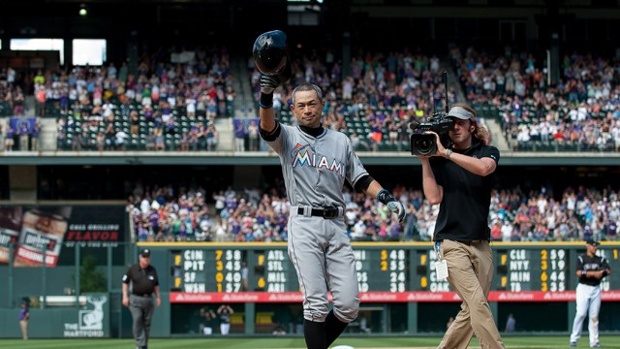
<point x="143" y="280"/>
<point x="464" y="210"/>
<point x="586" y="263"/>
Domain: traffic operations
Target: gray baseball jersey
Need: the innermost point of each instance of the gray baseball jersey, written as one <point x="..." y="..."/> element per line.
<point x="315" y="170"/>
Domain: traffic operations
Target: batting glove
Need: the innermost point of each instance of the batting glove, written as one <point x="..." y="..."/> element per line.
<point x="398" y="209"/>
<point x="394" y="205"/>
<point x="268" y="83"/>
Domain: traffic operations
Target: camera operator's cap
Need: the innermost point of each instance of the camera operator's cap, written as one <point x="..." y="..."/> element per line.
<point x="145" y="252"/>
<point x="592" y="242"/>
<point x="460" y="113"/>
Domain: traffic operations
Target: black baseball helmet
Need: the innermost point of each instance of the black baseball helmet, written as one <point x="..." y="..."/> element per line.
<point x="270" y="52"/>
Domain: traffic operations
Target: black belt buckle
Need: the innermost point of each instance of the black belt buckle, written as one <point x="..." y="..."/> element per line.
<point x="330" y="213"/>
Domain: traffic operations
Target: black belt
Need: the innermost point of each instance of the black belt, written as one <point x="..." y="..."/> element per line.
<point x="320" y="212"/>
<point x="143" y="294"/>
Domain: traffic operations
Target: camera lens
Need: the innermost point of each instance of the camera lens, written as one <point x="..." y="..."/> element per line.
<point x="423" y="144"/>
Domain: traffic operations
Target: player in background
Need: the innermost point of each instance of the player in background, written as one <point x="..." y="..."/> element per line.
<point x="225" y="312"/>
<point x="24" y="317"/>
<point x="591" y="269"/>
<point x="316" y="162"/>
<point x="460" y="178"/>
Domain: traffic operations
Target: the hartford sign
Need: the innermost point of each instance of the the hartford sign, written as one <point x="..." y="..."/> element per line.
<point x="91" y="322"/>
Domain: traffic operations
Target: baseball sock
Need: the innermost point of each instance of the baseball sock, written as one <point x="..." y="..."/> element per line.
<point x="314" y="334"/>
<point x="333" y="327"/>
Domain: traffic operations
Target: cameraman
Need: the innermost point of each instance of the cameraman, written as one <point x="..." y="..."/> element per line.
<point x="459" y="177"/>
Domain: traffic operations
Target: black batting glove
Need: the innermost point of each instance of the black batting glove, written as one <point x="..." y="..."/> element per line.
<point x="394" y="205"/>
<point x="268" y="83"/>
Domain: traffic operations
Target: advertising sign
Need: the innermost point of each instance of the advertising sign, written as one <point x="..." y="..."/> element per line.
<point x="42" y="234"/>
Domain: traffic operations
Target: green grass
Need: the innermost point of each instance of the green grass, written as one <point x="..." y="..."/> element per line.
<point x="523" y="342"/>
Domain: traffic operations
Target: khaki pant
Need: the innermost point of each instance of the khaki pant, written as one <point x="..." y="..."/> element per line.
<point x="23" y="325"/>
<point x="470" y="270"/>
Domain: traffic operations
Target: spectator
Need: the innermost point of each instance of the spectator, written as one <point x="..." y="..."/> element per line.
<point x="253" y="136"/>
<point x="211" y="137"/>
<point x="239" y="138"/>
<point x="9" y="138"/>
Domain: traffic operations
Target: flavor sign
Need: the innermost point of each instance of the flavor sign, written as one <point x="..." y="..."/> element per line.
<point x="42" y="234"/>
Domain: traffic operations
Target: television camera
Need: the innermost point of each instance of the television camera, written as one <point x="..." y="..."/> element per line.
<point x="426" y="143"/>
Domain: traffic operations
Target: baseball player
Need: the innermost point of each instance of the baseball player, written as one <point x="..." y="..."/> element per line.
<point x="316" y="162"/>
<point x="591" y="269"/>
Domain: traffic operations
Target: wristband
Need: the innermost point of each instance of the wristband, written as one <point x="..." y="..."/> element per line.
<point x="266" y="100"/>
<point x="448" y="153"/>
<point x="385" y="196"/>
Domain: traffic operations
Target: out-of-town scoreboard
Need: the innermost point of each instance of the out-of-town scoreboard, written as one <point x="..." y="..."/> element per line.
<point x="386" y="272"/>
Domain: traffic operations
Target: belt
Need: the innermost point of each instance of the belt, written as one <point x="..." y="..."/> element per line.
<point x="331" y="212"/>
<point x="143" y="294"/>
<point x="466" y="242"/>
<point x="471" y="242"/>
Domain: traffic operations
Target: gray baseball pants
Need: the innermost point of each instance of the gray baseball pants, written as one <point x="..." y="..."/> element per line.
<point x="141" y="309"/>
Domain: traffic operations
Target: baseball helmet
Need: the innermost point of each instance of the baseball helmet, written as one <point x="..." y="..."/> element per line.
<point x="270" y="53"/>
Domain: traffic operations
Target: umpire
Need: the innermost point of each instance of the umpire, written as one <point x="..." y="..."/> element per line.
<point x="144" y="283"/>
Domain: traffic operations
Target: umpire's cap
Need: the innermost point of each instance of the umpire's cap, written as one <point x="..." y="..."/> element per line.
<point x="592" y="242"/>
<point x="145" y="252"/>
<point x="270" y="53"/>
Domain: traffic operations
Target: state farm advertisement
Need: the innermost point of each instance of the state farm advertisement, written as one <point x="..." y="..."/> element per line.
<point x="37" y="235"/>
<point x="382" y="297"/>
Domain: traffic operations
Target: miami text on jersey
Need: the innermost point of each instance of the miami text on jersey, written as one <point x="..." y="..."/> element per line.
<point x="301" y="157"/>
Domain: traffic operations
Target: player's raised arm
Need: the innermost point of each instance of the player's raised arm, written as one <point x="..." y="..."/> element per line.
<point x="268" y="83"/>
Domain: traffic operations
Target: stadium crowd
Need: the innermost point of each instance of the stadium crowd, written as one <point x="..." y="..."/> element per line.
<point x="166" y="214"/>
<point x="170" y="104"/>
<point x="164" y="105"/>
<point x="581" y="111"/>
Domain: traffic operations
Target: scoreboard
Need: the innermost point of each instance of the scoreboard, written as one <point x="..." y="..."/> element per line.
<point x="198" y="270"/>
<point x="207" y="270"/>
<point x="386" y="272"/>
<point x="545" y="269"/>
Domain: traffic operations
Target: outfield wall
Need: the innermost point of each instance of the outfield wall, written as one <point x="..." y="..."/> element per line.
<point x="400" y="293"/>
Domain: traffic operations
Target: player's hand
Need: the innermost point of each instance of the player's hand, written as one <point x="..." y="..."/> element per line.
<point x="394" y="205"/>
<point x="268" y="83"/>
<point x="398" y="209"/>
